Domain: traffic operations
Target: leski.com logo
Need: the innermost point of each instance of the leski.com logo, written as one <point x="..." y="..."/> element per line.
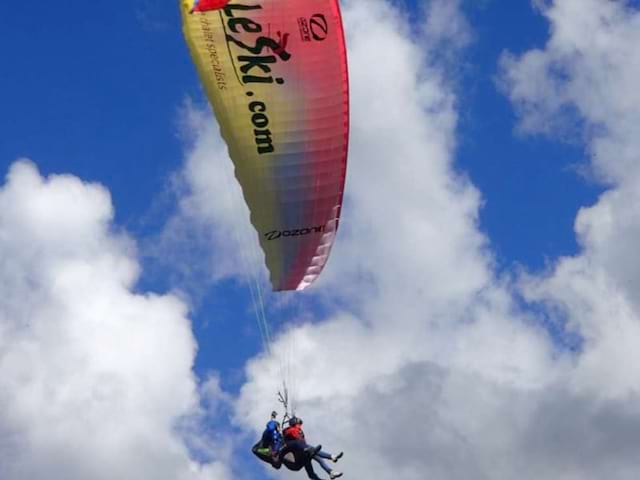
<point x="255" y="57"/>
<point x="314" y="28"/>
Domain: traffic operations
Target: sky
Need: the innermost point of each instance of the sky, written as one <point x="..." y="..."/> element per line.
<point x="486" y="327"/>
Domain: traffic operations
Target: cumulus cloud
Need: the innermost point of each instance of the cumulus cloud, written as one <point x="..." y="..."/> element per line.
<point x="590" y="64"/>
<point x="428" y="364"/>
<point x="199" y="242"/>
<point x="590" y="68"/>
<point x="95" y="378"/>
<point x="584" y="81"/>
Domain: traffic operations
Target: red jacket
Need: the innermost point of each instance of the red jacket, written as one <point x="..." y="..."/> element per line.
<point x="293" y="433"/>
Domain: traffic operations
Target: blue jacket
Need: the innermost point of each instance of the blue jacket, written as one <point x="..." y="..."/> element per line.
<point x="271" y="436"/>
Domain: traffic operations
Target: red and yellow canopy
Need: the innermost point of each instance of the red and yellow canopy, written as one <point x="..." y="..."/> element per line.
<point x="275" y="72"/>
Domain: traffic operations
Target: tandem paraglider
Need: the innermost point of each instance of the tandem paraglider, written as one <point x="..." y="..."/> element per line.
<point x="290" y="448"/>
<point x="275" y="73"/>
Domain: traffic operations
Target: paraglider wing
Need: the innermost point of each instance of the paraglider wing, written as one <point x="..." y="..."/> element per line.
<point x="275" y="73"/>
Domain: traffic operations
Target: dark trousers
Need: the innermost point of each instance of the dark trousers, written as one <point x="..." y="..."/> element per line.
<point x="310" y="472"/>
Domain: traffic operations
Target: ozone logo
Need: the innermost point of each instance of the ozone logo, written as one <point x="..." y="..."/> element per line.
<point x="276" y="234"/>
<point x="319" y="27"/>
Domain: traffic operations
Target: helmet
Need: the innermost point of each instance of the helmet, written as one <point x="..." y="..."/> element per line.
<point x="274" y="414"/>
<point x="295" y="421"/>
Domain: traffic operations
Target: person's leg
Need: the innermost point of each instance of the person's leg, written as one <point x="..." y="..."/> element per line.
<point x="328" y="456"/>
<point x="266" y="438"/>
<point x="310" y="472"/>
<point x="323" y="464"/>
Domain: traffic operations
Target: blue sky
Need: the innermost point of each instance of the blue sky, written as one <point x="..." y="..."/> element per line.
<point x="531" y="185"/>
<point x="99" y="104"/>
<point x="104" y="93"/>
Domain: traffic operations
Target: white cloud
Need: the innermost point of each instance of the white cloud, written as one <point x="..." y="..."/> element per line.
<point x="594" y="67"/>
<point x="587" y="73"/>
<point x="590" y="66"/>
<point x="94" y="378"/>
<point x="200" y="240"/>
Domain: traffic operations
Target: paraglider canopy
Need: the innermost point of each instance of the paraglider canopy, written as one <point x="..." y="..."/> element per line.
<point x="275" y="73"/>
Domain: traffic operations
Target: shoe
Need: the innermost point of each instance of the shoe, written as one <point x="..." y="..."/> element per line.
<point x="337" y="457"/>
<point x="333" y="475"/>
